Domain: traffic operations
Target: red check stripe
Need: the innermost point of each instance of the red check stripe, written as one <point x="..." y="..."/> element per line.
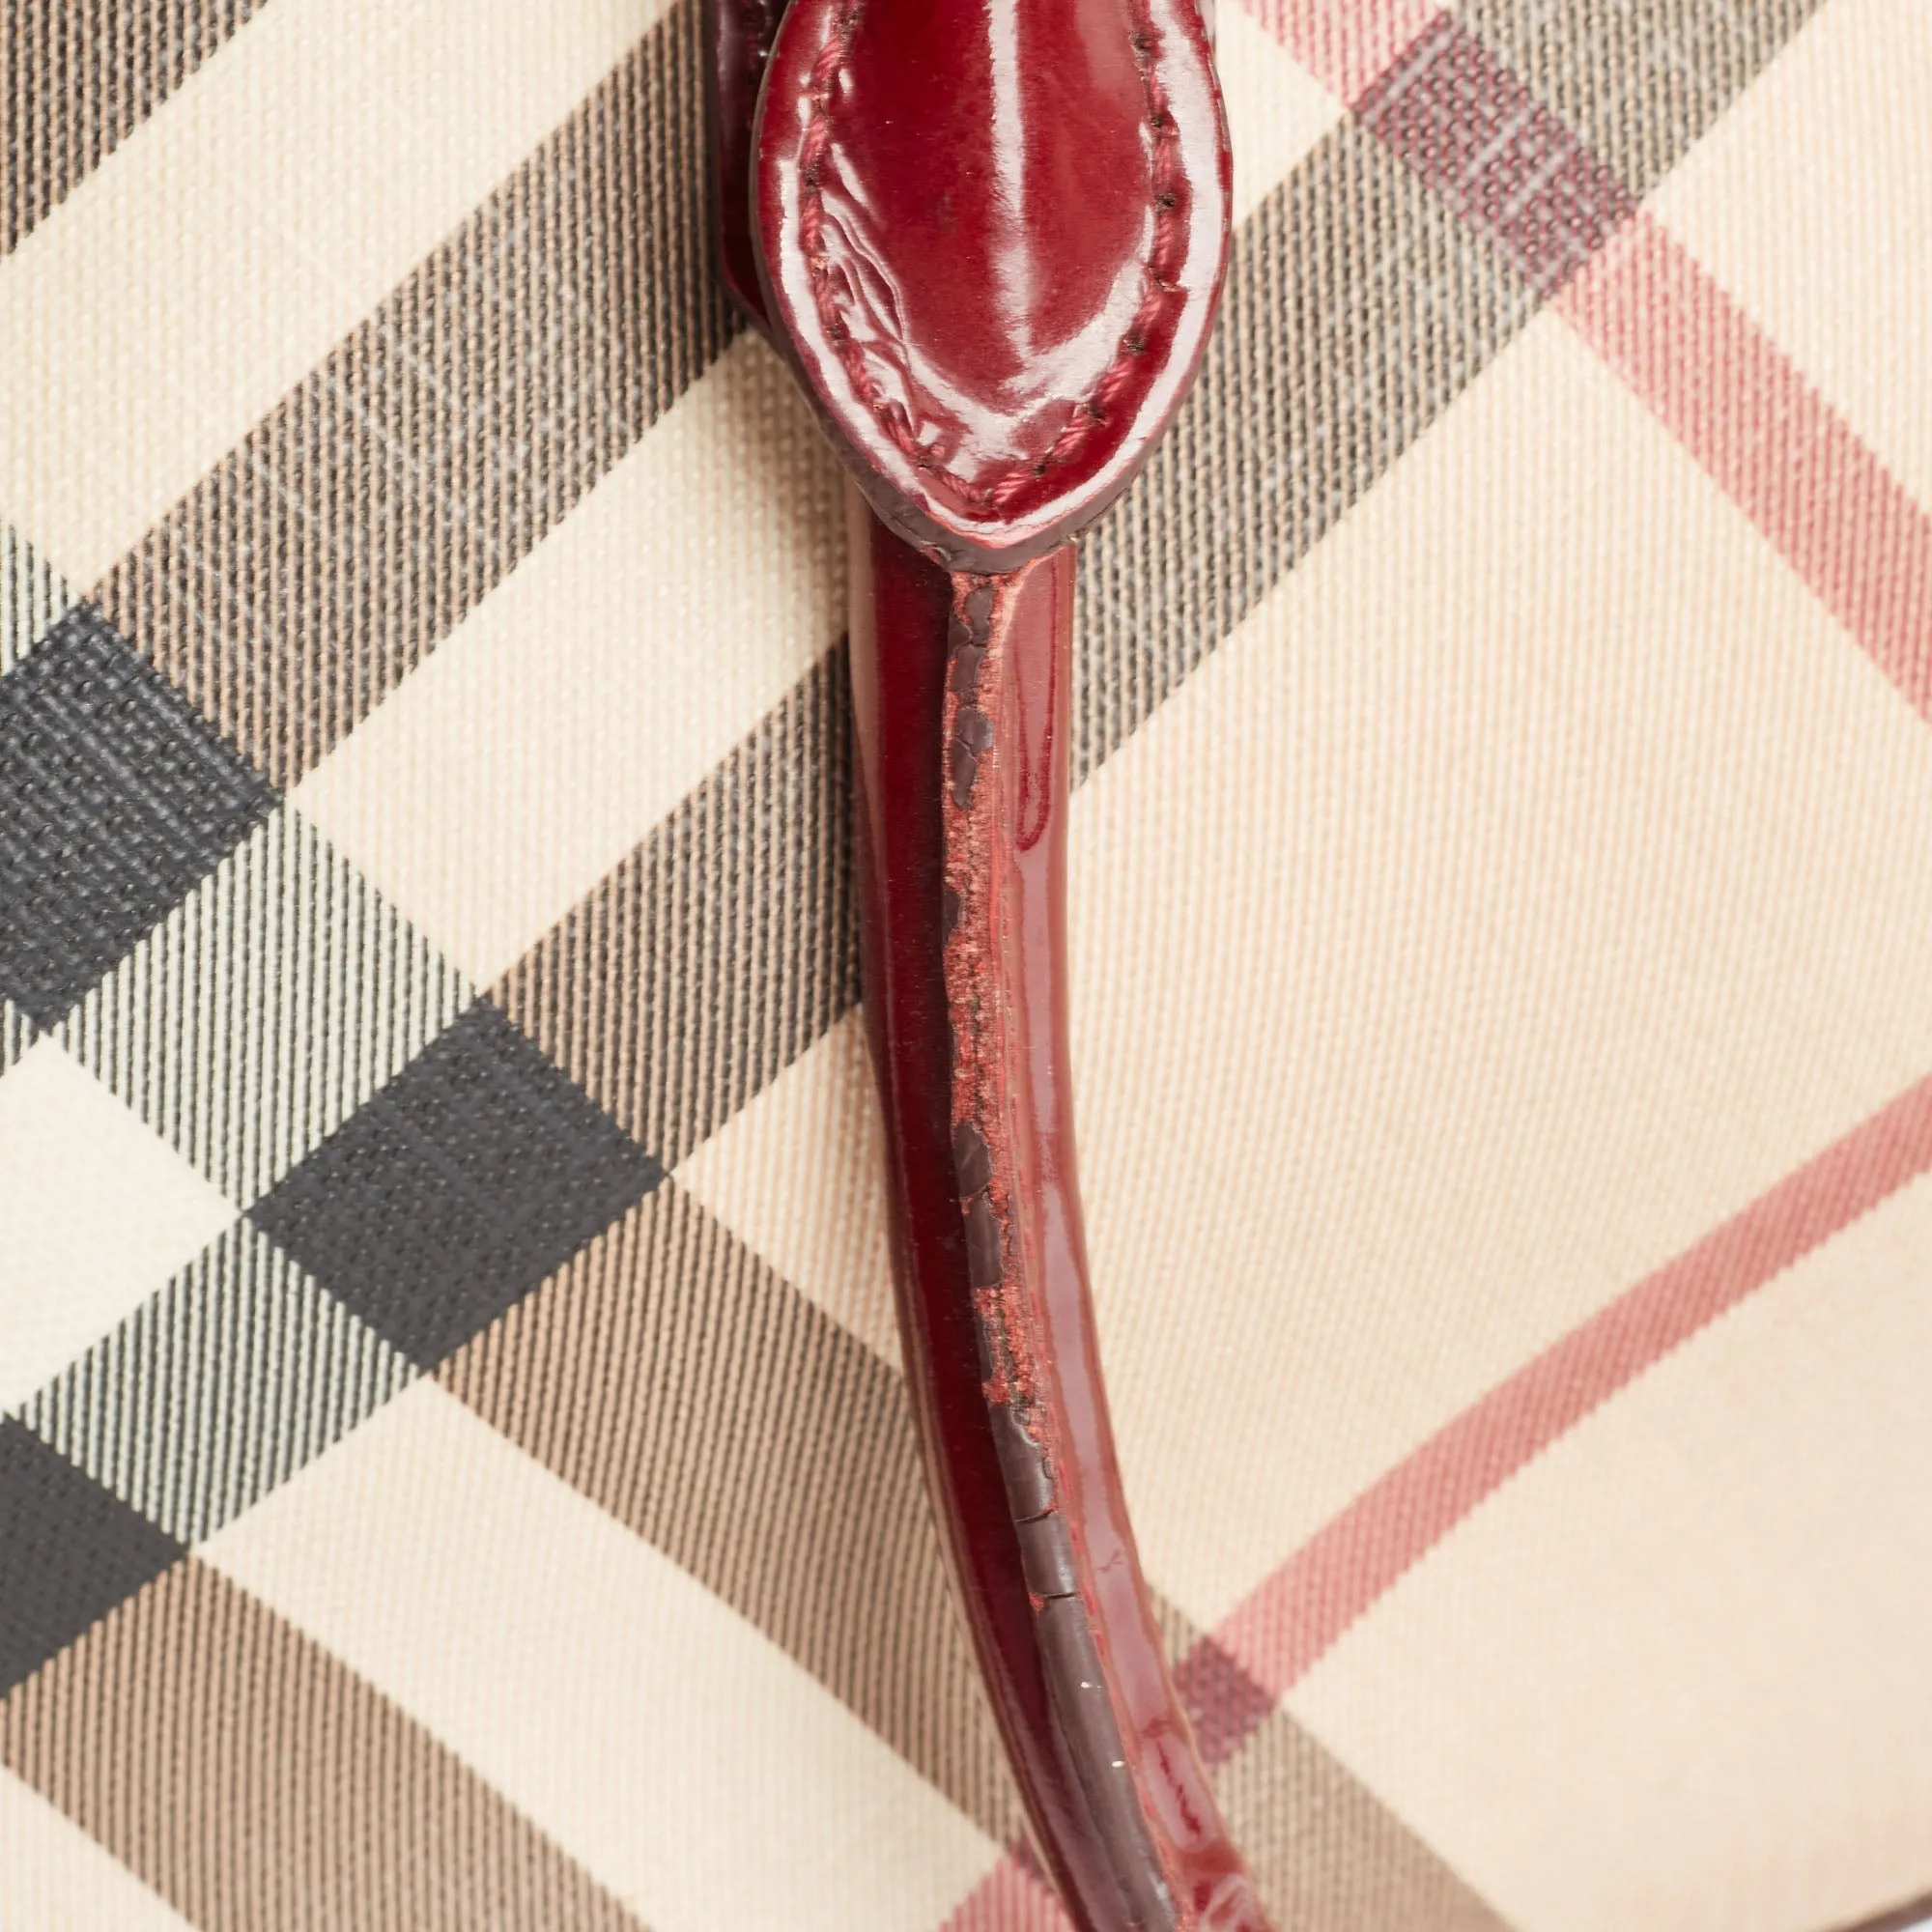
<point x="1233" y="1678"/>
<point x="1296" y="1616"/>
<point x="1745" y="412"/>
<point x="1012" y="1897"/>
<point x="1770" y="442"/>
<point x="1449" y="110"/>
<point x="1346" y="44"/>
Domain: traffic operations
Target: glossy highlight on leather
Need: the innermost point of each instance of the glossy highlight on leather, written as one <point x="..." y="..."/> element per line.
<point x="992" y="232"/>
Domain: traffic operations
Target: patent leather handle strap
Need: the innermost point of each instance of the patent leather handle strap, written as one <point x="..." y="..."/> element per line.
<point x="990" y="236"/>
<point x="962" y="684"/>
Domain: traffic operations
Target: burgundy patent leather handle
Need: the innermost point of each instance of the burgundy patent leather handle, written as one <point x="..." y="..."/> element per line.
<point x="991" y="235"/>
<point x="962" y="686"/>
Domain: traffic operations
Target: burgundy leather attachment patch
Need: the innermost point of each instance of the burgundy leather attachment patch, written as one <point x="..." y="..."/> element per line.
<point x="992" y="235"/>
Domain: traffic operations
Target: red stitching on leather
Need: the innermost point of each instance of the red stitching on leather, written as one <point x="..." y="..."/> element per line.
<point x="1169" y="196"/>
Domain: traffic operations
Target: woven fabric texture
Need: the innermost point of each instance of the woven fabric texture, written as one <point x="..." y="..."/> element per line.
<point x="454" y="1467"/>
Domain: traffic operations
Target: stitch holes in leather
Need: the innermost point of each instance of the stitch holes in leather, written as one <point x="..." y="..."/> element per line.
<point x="1022" y="488"/>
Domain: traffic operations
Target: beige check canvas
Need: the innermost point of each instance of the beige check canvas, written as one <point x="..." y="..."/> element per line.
<point x="455" y="1475"/>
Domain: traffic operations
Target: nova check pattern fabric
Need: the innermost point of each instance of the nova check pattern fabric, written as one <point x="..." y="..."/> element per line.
<point x="454" y="1470"/>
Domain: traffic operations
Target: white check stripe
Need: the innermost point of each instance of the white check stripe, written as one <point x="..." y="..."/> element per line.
<point x="54" y="1878"/>
<point x="32" y="596"/>
<point x="597" y="685"/>
<point x="97" y="1211"/>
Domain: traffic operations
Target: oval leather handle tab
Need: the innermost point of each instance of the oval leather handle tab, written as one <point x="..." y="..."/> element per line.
<point x="962" y="690"/>
<point x="992" y="233"/>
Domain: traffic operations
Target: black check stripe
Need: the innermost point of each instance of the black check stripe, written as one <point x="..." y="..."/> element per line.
<point x="115" y="799"/>
<point x="275" y="999"/>
<point x="471" y="1177"/>
<point x="70" y="1552"/>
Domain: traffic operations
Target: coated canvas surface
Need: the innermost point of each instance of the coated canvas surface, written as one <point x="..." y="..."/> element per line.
<point x="454" y="1468"/>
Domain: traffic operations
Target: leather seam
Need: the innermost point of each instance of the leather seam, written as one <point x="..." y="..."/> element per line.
<point x="1159" y="269"/>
